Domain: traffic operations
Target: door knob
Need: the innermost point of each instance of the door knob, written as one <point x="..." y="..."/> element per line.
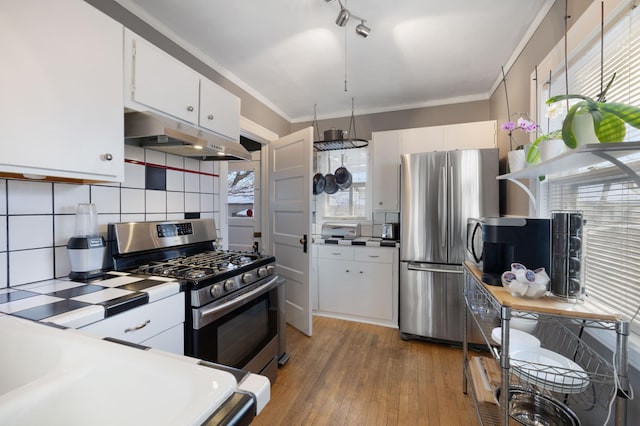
<point x="303" y="241"/>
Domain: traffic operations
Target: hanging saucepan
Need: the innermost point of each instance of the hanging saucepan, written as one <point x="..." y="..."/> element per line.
<point x="331" y="186"/>
<point x="319" y="183"/>
<point x="333" y="134"/>
<point x="343" y="176"/>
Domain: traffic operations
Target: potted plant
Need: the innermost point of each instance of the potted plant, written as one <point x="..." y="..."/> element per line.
<point x="529" y="153"/>
<point x="608" y="118"/>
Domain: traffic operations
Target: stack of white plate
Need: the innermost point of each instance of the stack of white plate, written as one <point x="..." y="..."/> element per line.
<point x="548" y="370"/>
<point x="518" y="340"/>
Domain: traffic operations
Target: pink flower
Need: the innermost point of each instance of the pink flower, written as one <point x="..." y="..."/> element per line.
<point x="508" y="126"/>
<point x="526" y="125"/>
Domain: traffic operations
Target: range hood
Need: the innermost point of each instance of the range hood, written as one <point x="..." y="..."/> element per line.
<point x="160" y="133"/>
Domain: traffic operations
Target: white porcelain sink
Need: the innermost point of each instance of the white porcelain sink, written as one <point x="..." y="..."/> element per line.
<point x="49" y="374"/>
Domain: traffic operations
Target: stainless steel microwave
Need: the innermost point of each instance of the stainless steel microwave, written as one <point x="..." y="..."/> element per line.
<point x="474" y="244"/>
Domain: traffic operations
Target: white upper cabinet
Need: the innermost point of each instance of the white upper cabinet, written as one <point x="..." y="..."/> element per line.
<point x="385" y="175"/>
<point x="156" y="80"/>
<point x="61" y="91"/>
<point x="477" y="135"/>
<point x="159" y="81"/>
<point x="422" y="139"/>
<point x="219" y="110"/>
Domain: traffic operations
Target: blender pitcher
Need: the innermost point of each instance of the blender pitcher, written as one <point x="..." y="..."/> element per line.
<point x="86" y="248"/>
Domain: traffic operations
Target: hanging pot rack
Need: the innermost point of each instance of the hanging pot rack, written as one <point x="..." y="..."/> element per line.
<point x="335" y="139"/>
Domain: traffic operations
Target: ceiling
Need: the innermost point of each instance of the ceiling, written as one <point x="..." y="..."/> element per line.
<point x="290" y="54"/>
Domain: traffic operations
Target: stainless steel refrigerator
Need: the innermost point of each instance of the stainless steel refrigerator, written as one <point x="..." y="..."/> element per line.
<point x="439" y="191"/>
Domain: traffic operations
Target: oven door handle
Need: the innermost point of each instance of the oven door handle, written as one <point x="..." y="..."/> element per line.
<point x="203" y="315"/>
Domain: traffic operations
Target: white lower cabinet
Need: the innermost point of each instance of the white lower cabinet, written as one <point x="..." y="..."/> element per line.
<point x="158" y="325"/>
<point x="358" y="283"/>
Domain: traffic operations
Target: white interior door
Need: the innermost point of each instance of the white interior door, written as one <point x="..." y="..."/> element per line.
<point x="289" y="222"/>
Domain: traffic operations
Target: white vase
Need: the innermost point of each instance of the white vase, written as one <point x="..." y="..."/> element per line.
<point x="517" y="160"/>
<point x="551" y="148"/>
<point x="583" y="130"/>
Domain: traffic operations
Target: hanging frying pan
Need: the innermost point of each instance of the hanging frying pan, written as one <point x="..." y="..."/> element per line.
<point x="319" y="183"/>
<point x="331" y="186"/>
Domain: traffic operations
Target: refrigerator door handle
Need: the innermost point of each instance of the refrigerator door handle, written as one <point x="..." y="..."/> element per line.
<point x="443" y="207"/>
<point x="417" y="267"/>
<point x="451" y="210"/>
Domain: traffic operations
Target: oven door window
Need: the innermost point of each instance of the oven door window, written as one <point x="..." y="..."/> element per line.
<point x="237" y="337"/>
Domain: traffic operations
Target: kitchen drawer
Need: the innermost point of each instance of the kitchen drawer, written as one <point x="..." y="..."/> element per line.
<point x="140" y="324"/>
<point x="332" y="251"/>
<point x="378" y="255"/>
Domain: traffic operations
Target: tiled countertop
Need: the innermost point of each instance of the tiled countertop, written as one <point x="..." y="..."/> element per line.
<point x="76" y="304"/>
<point x="362" y="241"/>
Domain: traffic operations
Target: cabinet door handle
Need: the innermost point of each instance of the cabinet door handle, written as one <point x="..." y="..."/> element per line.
<point x="210" y="117"/>
<point x="106" y="157"/>
<point x="189" y="108"/>
<point x="373" y="256"/>
<point x="347" y="270"/>
<point x="137" y="327"/>
<point x="335" y="254"/>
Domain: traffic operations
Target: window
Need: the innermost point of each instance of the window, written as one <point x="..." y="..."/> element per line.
<point x="351" y="203"/>
<point x="240" y="184"/>
<point x="609" y="199"/>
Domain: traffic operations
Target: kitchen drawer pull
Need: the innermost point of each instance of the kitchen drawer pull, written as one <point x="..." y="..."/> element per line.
<point x="372" y="256"/>
<point x="210" y="117"/>
<point x="336" y="254"/>
<point x="189" y="108"/>
<point x="137" y="327"/>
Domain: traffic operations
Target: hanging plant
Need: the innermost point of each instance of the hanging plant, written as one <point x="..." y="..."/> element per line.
<point x="608" y="118"/>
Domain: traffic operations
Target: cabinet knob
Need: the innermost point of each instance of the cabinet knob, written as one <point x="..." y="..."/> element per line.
<point x="107" y="157"/>
<point x="347" y="270"/>
<point x="379" y="203"/>
<point x="189" y="108"/>
<point x="210" y="117"/>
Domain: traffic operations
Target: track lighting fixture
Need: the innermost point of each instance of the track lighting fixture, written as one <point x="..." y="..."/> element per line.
<point x="343" y="17"/>
<point x="362" y="30"/>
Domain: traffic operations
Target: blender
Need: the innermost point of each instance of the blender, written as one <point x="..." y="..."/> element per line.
<point x="86" y="248"/>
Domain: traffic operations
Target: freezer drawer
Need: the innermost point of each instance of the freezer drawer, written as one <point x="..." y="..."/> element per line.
<point x="432" y="302"/>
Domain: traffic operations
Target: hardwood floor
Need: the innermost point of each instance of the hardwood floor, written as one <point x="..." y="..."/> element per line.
<point x="350" y="373"/>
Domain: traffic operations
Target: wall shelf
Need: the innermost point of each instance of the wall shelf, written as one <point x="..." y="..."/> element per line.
<point x="582" y="157"/>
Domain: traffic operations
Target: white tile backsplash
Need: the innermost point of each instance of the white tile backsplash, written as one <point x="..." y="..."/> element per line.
<point x="37" y="218"/>
<point x="106" y="199"/>
<point x="132" y="200"/>
<point x="155" y="157"/>
<point x="191" y="202"/>
<point x="27" y="266"/>
<point x="134" y="176"/>
<point x="3" y="196"/>
<point x="3" y="270"/>
<point x="175" y="202"/>
<point x="206" y="202"/>
<point x="191" y="182"/>
<point x="3" y="233"/>
<point x="156" y="201"/>
<point x="27" y="197"/>
<point x="135" y="153"/>
<point x="62" y="264"/>
<point x="175" y="180"/>
<point x="64" y="227"/>
<point x="175" y="161"/>
<point x="29" y="232"/>
<point x="66" y="197"/>
<point x="206" y="184"/>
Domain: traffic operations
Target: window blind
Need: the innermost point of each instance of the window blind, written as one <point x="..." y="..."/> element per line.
<point x="609" y="200"/>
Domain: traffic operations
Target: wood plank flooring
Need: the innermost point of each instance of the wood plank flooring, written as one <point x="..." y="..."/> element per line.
<point x="350" y="373"/>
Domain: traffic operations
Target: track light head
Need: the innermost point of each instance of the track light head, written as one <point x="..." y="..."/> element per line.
<point x="362" y="30"/>
<point x="343" y="17"/>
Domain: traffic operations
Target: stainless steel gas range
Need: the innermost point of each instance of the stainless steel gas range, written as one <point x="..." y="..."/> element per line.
<point x="234" y="300"/>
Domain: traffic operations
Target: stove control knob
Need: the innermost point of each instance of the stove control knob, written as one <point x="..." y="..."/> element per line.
<point x="216" y="290"/>
<point x="246" y="278"/>
<point x="262" y="272"/>
<point x="229" y="284"/>
<point x="271" y="269"/>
